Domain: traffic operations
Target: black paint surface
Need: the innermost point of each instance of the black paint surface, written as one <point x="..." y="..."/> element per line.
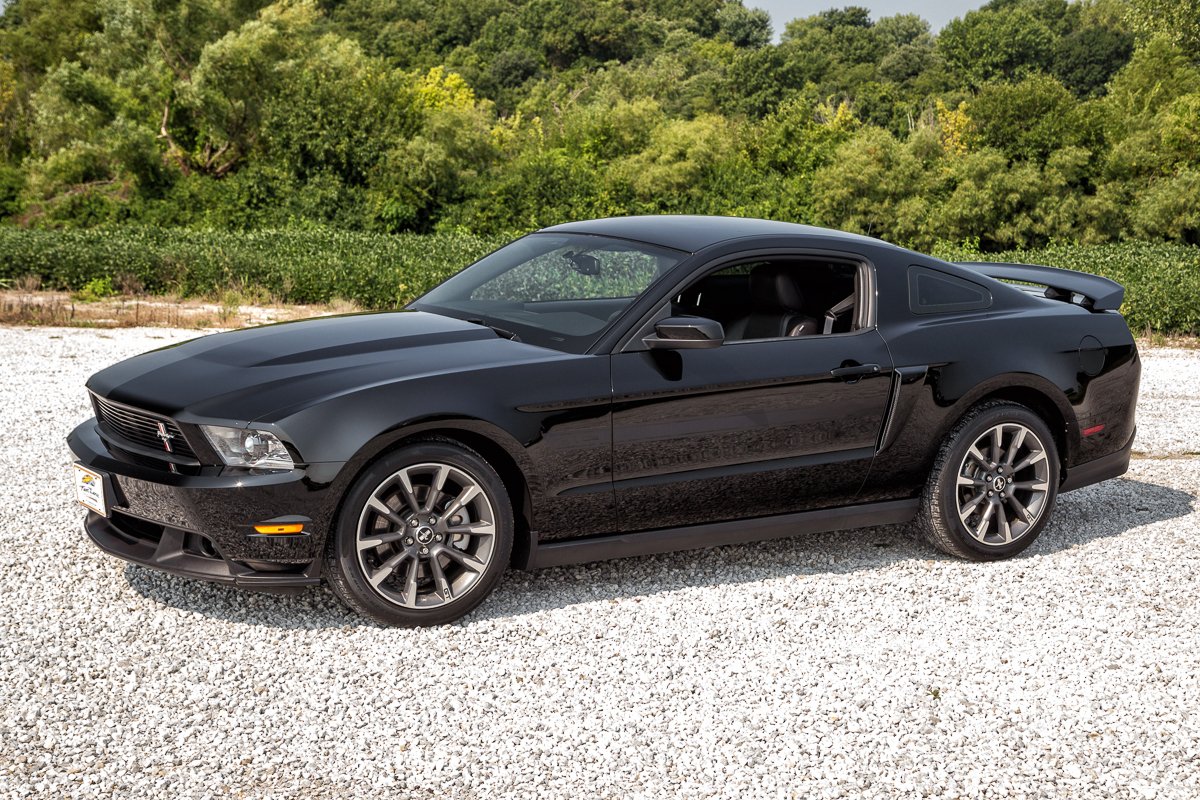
<point x="620" y="439"/>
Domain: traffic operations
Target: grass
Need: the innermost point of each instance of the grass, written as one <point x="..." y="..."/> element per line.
<point x="61" y="309"/>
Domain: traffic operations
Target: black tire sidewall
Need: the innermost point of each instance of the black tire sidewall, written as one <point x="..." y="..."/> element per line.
<point x="947" y="486"/>
<point x="346" y="575"/>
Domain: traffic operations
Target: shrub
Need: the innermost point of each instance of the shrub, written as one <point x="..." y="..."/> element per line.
<point x="297" y="266"/>
<point x="96" y="289"/>
<point x="378" y="271"/>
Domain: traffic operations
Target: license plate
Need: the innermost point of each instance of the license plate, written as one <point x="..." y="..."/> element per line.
<point x="89" y="490"/>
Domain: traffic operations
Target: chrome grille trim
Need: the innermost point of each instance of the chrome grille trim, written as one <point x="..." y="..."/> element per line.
<point x="140" y="427"/>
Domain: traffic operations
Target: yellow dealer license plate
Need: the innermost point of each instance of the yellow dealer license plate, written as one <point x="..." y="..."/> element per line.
<point x="89" y="489"/>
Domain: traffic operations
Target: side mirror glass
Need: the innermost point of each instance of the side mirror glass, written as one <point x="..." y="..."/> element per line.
<point x="686" y="333"/>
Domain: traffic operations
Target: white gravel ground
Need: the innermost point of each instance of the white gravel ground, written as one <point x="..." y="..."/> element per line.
<point x="849" y="665"/>
<point x="1169" y="408"/>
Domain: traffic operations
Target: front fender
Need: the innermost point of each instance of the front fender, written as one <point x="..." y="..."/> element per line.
<point x="550" y="419"/>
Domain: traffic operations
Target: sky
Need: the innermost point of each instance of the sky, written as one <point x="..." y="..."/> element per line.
<point x="783" y="11"/>
<point x="936" y="14"/>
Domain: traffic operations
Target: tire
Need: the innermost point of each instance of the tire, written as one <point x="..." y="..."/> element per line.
<point x="983" y="507"/>
<point x="437" y="569"/>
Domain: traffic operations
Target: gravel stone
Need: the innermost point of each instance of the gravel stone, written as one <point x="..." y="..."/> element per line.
<point x="859" y="664"/>
<point x="1169" y="408"/>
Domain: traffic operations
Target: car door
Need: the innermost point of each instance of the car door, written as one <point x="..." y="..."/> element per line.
<point x="750" y="428"/>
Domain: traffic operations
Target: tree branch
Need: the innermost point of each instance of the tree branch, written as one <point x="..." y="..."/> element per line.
<point x="174" y="151"/>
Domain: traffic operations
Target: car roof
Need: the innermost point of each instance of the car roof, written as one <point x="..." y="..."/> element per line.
<point x="694" y="233"/>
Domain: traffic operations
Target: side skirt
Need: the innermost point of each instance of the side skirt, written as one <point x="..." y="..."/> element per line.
<point x="714" y="534"/>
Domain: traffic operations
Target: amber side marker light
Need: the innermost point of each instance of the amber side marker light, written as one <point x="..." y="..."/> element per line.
<point x="274" y="528"/>
<point x="1092" y="431"/>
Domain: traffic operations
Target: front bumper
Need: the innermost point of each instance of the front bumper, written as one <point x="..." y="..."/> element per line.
<point x="191" y="555"/>
<point x="202" y="525"/>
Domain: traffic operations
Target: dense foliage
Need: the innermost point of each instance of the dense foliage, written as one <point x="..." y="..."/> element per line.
<point x="380" y="271"/>
<point x="374" y="270"/>
<point x="1022" y="123"/>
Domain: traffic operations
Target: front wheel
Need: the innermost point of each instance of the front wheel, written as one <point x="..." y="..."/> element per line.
<point x="423" y="537"/>
<point x="993" y="484"/>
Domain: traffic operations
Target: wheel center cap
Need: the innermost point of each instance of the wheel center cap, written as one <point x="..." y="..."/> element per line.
<point x="424" y="534"/>
<point x="999" y="483"/>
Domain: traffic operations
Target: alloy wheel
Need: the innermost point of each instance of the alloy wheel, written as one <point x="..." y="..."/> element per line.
<point x="426" y="535"/>
<point x="1003" y="484"/>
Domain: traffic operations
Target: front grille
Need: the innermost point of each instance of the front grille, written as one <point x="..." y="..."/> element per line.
<point x="140" y="427"/>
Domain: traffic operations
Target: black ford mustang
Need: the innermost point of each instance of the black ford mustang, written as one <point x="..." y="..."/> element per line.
<point x="613" y="388"/>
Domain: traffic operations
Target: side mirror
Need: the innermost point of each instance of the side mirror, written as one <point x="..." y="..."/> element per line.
<point x="686" y="333"/>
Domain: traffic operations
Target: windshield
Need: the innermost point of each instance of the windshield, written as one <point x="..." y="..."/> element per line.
<point x="554" y="290"/>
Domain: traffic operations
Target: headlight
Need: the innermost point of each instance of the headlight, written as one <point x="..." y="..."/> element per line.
<point x="240" y="447"/>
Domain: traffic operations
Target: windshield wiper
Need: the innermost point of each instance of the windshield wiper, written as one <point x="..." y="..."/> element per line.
<point x="501" y="332"/>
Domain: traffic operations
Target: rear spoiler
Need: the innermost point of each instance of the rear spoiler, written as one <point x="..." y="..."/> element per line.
<point x="1098" y="294"/>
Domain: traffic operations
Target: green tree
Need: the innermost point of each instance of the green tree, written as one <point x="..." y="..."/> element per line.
<point x="794" y="143"/>
<point x="743" y="27"/>
<point x="903" y="29"/>
<point x="1086" y="59"/>
<point x="759" y="80"/>
<point x="36" y="35"/>
<point x="537" y="188"/>
<point x="1178" y="21"/>
<point x="1157" y="74"/>
<point x="1020" y="122"/>
<point x="1170" y="208"/>
<point x="1011" y="205"/>
<point x="228" y="93"/>
<point x="997" y="43"/>
<point x="879" y="186"/>
<point x="1029" y="119"/>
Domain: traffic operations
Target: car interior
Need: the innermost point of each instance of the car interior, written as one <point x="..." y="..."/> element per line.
<point x="777" y="298"/>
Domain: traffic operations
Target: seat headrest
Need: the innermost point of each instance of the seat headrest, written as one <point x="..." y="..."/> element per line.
<point x="773" y="287"/>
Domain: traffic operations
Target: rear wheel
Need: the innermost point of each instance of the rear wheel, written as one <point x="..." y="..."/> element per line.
<point x="423" y="537"/>
<point x="993" y="484"/>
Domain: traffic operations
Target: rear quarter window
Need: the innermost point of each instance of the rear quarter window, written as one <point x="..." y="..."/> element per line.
<point x="933" y="292"/>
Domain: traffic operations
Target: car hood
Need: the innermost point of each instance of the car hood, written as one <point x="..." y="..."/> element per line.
<point x="243" y="375"/>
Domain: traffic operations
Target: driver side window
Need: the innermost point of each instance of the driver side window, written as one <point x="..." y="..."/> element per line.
<point x="777" y="298"/>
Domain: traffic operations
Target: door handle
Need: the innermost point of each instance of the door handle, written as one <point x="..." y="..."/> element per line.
<point x="852" y="372"/>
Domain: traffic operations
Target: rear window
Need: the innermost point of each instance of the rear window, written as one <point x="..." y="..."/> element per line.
<point x="932" y="292"/>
